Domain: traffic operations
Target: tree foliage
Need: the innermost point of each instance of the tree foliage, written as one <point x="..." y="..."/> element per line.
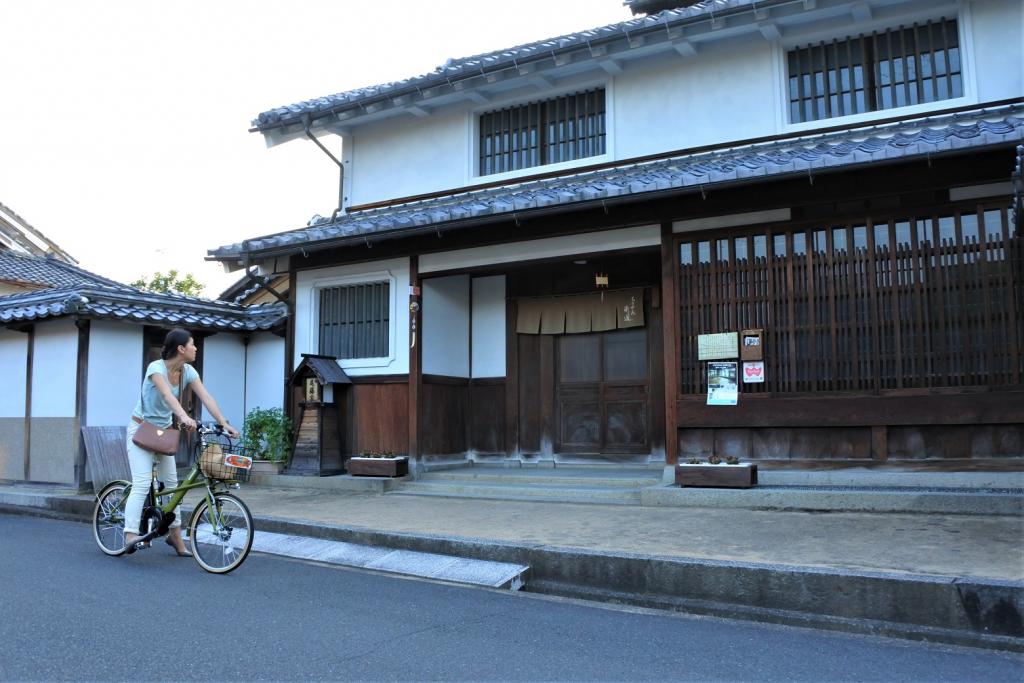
<point x="170" y="284"/>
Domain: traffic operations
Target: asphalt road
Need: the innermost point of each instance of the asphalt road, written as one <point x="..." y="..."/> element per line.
<point x="68" y="612"/>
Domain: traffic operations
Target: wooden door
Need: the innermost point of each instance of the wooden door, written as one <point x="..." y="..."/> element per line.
<point x="602" y="393"/>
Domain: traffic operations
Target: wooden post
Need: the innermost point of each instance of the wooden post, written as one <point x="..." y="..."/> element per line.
<point x="81" y="404"/>
<point x="880" y="443"/>
<point x="289" y="345"/>
<point x="511" y="378"/>
<point x="670" y="338"/>
<point x="415" y="361"/>
<point x="29" y="355"/>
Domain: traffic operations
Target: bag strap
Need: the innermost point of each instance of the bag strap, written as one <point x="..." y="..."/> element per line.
<point x="181" y="393"/>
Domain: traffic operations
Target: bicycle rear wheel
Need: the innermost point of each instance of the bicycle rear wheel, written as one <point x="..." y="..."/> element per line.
<point x="221" y="538"/>
<point x="108" y="517"/>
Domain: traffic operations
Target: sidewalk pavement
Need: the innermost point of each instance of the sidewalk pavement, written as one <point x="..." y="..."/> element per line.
<point x="950" y="578"/>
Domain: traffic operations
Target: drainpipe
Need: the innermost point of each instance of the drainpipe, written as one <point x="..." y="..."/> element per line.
<point x="341" y="167"/>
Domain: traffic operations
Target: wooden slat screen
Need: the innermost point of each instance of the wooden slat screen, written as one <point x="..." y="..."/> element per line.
<point x="354" y="320"/>
<point x="894" y="68"/>
<point x="546" y="132"/>
<point x="901" y="303"/>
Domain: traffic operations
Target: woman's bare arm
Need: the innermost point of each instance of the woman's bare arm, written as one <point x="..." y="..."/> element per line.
<point x="211" y="405"/>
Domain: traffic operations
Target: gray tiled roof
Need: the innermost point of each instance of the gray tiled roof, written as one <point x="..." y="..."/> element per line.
<point x="325" y="368"/>
<point x="804" y="155"/>
<point x="125" y="303"/>
<point x="457" y="69"/>
<point x="47" y="271"/>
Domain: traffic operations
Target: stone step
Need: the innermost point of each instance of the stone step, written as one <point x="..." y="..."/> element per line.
<point x="548" y="493"/>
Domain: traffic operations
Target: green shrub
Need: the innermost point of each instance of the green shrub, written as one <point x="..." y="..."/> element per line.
<point x="268" y="433"/>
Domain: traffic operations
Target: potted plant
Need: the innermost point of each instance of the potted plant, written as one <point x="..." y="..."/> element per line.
<point x="268" y="436"/>
<point x="378" y="464"/>
<point x="715" y="473"/>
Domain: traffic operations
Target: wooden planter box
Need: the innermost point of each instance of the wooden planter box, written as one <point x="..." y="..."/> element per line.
<point x="267" y="467"/>
<point x="378" y="467"/>
<point x="741" y="476"/>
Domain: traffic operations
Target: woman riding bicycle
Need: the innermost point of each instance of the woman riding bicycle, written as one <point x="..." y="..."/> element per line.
<point x="159" y="403"/>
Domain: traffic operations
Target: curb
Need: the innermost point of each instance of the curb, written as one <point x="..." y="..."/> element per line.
<point x="983" y="613"/>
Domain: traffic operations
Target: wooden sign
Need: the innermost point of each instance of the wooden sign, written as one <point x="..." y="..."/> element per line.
<point x="312" y="389"/>
<point x="752" y="346"/>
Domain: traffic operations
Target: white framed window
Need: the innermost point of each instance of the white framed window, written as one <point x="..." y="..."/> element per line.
<point x="874" y="71"/>
<point x="354" y="320"/>
<point x="542" y="132"/>
<point x="353" y="317"/>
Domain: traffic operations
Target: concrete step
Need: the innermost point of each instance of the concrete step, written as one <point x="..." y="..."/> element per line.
<point x="602" y="495"/>
<point x="463" y="570"/>
<point x="949" y="501"/>
<point x="583" y="478"/>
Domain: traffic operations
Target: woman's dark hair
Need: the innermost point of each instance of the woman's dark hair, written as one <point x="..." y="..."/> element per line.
<point x="175" y="338"/>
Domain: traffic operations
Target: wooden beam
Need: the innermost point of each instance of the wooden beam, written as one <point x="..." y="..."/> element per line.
<point x="27" y="441"/>
<point x="415" y="359"/>
<point x="81" y="402"/>
<point x="511" y="377"/>
<point x="418" y="111"/>
<point x="769" y="30"/>
<point x="610" y="66"/>
<point x="670" y="341"/>
<point x="861" y="12"/>
<point x="684" y="47"/>
<point x="906" y="408"/>
<point x="475" y="96"/>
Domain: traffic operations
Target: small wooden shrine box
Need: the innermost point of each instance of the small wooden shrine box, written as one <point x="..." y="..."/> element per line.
<point x="318" y="388"/>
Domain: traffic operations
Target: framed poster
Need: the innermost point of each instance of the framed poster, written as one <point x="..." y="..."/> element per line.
<point x="722" y="384"/>
<point x="716" y="346"/>
<point x="753" y="373"/>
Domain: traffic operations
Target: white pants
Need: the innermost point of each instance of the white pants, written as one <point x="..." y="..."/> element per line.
<point x="141" y="462"/>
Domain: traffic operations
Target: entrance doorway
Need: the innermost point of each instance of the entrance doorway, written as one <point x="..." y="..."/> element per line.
<point x="602" y="388"/>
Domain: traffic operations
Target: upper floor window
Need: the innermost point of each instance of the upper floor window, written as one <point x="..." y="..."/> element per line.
<point x="539" y="133"/>
<point x="894" y="68"/>
<point x="354" y="320"/>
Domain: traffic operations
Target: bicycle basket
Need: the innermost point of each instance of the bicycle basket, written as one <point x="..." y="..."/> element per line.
<point x="226" y="461"/>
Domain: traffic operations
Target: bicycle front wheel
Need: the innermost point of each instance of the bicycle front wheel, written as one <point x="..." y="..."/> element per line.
<point x="222" y="536"/>
<point x="108" y="517"/>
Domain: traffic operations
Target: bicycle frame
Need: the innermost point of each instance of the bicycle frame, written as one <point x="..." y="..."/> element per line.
<point x="193" y="480"/>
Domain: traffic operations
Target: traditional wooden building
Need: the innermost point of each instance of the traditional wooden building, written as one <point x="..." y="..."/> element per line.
<point x="542" y="251"/>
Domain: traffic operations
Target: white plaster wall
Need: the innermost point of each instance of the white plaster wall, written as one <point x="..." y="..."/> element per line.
<point x="308" y="282"/>
<point x="54" y="369"/>
<point x="488" y="323"/>
<point x="13" y="369"/>
<point x="264" y="372"/>
<point x="549" y="247"/>
<point x="724" y="92"/>
<point x="406" y="156"/>
<point x="730" y="90"/>
<point x="224" y="375"/>
<point x="446" y="326"/>
<point x="998" y="30"/>
<point x="115" y="372"/>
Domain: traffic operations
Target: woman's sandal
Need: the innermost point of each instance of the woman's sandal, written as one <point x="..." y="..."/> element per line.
<point x="186" y="553"/>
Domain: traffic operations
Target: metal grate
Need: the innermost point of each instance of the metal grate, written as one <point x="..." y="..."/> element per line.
<point x="354" y="320"/>
<point x="894" y="68"/>
<point x="546" y="132"/>
<point x="906" y="302"/>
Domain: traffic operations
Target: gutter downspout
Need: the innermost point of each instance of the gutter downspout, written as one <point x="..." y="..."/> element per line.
<point x="306" y="120"/>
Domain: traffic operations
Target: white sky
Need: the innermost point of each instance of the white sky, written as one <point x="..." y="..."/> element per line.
<point x="124" y="124"/>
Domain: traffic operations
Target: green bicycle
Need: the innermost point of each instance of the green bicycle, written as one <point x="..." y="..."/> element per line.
<point x="221" y="526"/>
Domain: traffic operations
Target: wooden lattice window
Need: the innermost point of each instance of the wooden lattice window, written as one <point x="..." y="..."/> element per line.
<point x="908" y="302"/>
<point x="545" y="132"/>
<point x="883" y="70"/>
<point x="354" y="320"/>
